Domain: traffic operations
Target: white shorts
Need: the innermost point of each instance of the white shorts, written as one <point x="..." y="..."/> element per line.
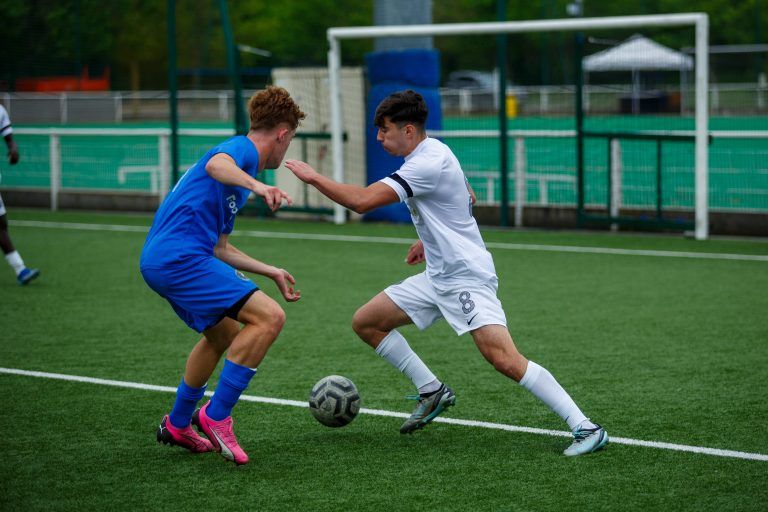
<point x="2" y="206"/>
<point x="465" y="308"/>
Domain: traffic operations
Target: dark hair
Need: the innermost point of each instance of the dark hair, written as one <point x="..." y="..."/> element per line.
<point x="273" y="106"/>
<point x="402" y="107"/>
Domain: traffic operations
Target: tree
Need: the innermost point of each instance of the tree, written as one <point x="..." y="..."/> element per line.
<point x="47" y="38"/>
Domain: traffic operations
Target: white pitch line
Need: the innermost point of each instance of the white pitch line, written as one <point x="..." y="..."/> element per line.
<point x="79" y="226"/>
<point x="379" y="412"/>
<point x="401" y="241"/>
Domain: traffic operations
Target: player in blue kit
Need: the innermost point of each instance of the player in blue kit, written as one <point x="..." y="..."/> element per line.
<point x="188" y="260"/>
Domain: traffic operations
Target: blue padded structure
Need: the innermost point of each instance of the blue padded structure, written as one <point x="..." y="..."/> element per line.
<point x="390" y="72"/>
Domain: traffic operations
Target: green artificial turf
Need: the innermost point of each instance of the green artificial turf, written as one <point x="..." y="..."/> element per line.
<point x="662" y="349"/>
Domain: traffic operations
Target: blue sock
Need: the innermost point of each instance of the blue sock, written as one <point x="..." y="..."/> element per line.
<point x="186" y="401"/>
<point x="232" y="382"/>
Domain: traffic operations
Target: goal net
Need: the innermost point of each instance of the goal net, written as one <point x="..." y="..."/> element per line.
<point x="604" y="116"/>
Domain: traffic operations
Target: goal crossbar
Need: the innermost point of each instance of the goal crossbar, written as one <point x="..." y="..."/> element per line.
<point x="698" y="20"/>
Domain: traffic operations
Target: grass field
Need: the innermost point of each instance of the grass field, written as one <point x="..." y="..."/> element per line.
<point x="658" y="346"/>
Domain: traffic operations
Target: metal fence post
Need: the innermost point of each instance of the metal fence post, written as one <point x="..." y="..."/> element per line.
<point x="223" y="107"/>
<point x="63" y="108"/>
<point x="118" y="108"/>
<point x="520" y="164"/>
<point x="615" y="171"/>
<point x="164" y="161"/>
<point x="55" y="170"/>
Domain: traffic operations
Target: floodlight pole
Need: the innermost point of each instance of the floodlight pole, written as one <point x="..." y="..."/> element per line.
<point x="501" y="63"/>
<point x="173" y="92"/>
<point x="233" y="63"/>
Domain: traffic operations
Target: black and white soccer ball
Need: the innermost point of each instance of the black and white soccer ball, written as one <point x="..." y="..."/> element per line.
<point x="334" y="401"/>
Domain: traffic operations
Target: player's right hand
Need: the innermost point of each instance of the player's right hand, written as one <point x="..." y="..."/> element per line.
<point x="273" y="196"/>
<point x="416" y="254"/>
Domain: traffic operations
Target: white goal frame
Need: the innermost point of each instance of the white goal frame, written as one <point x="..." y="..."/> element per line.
<point x="698" y="20"/>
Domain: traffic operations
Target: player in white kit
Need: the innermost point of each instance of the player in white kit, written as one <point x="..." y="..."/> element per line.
<point x="23" y="274"/>
<point x="459" y="283"/>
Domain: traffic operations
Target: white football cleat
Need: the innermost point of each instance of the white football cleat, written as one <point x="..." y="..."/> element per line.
<point x="587" y="440"/>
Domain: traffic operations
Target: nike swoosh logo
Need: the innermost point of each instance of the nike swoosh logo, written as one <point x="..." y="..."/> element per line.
<point x="470" y="320"/>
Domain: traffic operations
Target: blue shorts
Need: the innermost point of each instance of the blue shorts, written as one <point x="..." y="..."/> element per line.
<point x="203" y="292"/>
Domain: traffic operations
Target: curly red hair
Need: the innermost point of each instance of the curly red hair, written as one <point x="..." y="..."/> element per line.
<point x="273" y="106"/>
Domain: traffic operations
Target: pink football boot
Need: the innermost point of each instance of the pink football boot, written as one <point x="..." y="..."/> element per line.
<point x="221" y="435"/>
<point x="185" y="437"/>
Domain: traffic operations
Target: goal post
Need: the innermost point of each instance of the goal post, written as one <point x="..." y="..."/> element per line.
<point x="700" y="21"/>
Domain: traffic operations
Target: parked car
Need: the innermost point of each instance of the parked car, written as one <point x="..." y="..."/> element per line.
<point x="469" y="79"/>
<point x="477" y="91"/>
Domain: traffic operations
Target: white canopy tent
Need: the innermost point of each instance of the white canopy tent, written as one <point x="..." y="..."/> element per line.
<point x="637" y="54"/>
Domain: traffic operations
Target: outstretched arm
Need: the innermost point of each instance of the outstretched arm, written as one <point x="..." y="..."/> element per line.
<point x="356" y="198"/>
<point x="233" y="256"/>
<point x="223" y="168"/>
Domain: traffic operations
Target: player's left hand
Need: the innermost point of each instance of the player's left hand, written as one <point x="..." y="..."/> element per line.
<point x="13" y="154"/>
<point x="285" y="283"/>
<point x="415" y="253"/>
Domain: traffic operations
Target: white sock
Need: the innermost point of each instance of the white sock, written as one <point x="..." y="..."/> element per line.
<point x="15" y="261"/>
<point x="430" y="387"/>
<point x="543" y="385"/>
<point x="395" y="349"/>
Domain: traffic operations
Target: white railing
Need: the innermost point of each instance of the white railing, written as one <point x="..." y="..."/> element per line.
<point x="486" y="182"/>
<point x="725" y="98"/>
<point x="159" y="172"/>
<point x="119" y="106"/>
<point x="116" y="106"/>
<point x="124" y="157"/>
<point x="136" y="161"/>
<point x="520" y="176"/>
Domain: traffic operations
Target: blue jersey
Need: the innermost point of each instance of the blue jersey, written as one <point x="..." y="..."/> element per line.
<point x="198" y="210"/>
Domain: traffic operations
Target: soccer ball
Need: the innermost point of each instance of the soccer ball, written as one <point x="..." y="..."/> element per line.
<point x="334" y="401"/>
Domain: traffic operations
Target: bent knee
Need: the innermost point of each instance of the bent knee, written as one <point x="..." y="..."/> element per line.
<point x="359" y="323"/>
<point x="275" y="317"/>
<point x="267" y="314"/>
<point x="365" y="324"/>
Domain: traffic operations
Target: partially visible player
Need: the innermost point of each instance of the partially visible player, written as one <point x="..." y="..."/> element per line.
<point x="23" y="274"/>
<point x="459" y="284"/>
<point x="189" y="260"/>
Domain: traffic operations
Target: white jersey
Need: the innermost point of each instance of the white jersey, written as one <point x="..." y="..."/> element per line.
<point x="433" y="186"/>
<point x="5" y="123"/>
